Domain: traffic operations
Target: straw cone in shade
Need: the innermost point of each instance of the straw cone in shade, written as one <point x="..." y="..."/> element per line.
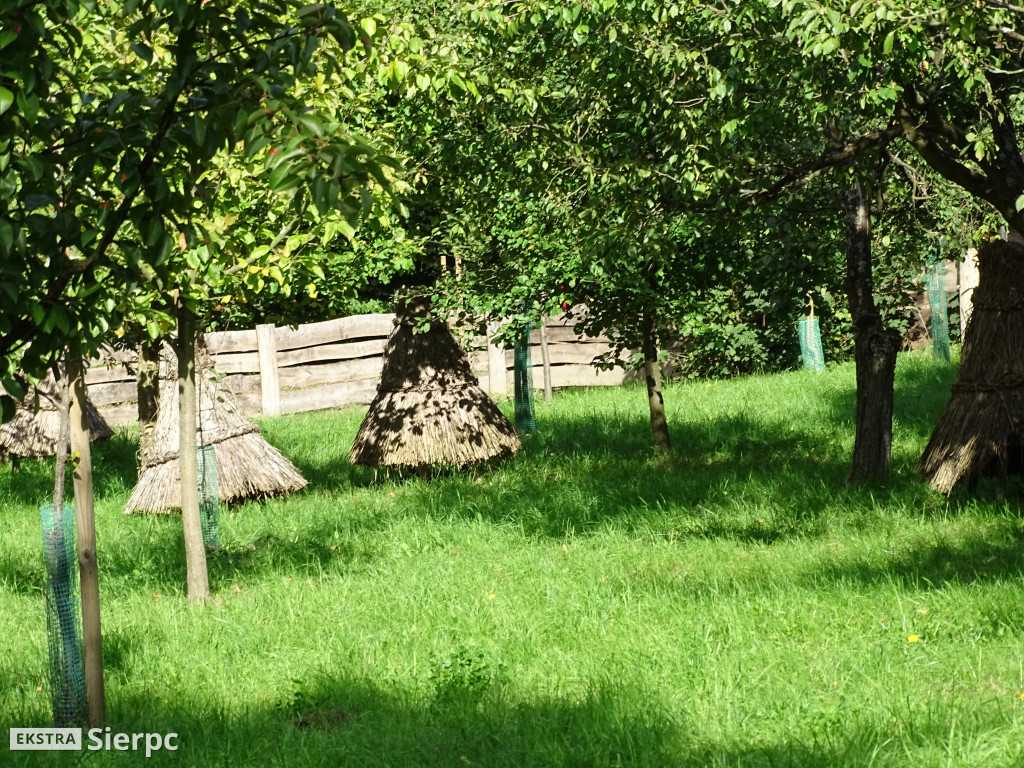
<point x="983" y="423"/>
<point x="34" y="430"/>
<point x="248" y="467"/>
<point x="429" y="409"/>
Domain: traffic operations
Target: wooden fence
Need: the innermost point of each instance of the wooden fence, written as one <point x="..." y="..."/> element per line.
<point x="274" y="370"/>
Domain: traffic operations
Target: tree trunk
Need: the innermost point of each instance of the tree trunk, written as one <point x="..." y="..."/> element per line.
<point x="85" y="523"/>
<point x="195" y="550"/>
<point x="63" y="437"/>
<point x="652" y="374"/>
<point x="875" y="347"/>
<point x="148" y="364"/>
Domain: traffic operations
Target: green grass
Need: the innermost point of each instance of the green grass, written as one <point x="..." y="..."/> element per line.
<point x="579" y="605"/>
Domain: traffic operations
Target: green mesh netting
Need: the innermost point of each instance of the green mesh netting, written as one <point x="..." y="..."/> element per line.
<point x="67" y="672"/>
<point x="939" y="303"/>
<point x="523" y="375"/>
<point x="810" y="345"/>
<point x="209" y="500"/>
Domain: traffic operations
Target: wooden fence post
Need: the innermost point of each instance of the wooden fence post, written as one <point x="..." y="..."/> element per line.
<point x="497" y="372"/>
<point x="545" y="356"/>
<point x="270" y="391"/>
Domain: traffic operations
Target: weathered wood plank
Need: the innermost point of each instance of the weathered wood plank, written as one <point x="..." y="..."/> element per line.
<point x="231" y="341"/>
<point x="113" y="392"/>
<point x="102" y="374"/>
<point x="239" y="383"/>
<point x="266" y="340"/>
<point x="585" y="376"/>
<point x="328" y="396"/>
<point x="326" y="373"/>
<point x="497" y="383"/>
<point x="330" y="331"/>
<point x="349" y="350"/>
<point x="239" y="362"/>
<point x="119" y="415"/>
<point x="562" y="354"/>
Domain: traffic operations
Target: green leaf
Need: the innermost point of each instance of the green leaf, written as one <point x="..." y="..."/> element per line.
<point x="143" y="51"/>
<point x="7" y="234"/>
<point x="6" y="99"/>
<point x="889" y="39"/>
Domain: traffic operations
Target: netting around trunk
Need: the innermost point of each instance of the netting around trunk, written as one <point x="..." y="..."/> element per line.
<point x="810" y="344"/>
<point x="209" y="500"/>
<point x="939" y="303"/>
<point x="67" y="671"/>
<point x="526" y="424"/>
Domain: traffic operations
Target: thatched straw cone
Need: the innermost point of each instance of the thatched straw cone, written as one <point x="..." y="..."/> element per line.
<point x="34" y="433"/>
<point x="247" y="465"/>
<point x="429" y="409"/>
<point x="982" y="428"/>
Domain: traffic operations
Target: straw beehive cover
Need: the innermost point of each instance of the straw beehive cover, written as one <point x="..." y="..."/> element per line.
<point x="247" y="465"/>
<point x="35" y="428"/>
<point x="429" y="408"/>
<point x="983" y="423"/>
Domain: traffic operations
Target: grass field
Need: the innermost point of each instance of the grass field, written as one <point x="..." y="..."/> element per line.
<point x="579" y="605"/>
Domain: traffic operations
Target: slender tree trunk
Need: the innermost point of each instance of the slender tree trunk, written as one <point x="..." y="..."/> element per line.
<point x="545" y="356"/>
<point x="195" y="551"/>
<point x="85" y="523"/>
<point x="652" y="374"/>
<point x="148" y="365"/>
<point x="875" y="347"/>
<point x="63" y="437"/>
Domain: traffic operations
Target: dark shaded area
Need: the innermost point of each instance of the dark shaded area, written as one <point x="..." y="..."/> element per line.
<point x="349" y="722"/>
<point x="997" y="556"/>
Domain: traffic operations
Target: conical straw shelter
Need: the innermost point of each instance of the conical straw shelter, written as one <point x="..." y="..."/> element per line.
<point x="429" y="409"/>
<point x="247" y="465"/>
<point x="981" y="431"/>
<point x="34" y="430"/>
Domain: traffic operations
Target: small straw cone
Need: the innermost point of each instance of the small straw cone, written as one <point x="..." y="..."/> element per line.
<point x="34" y="430"/>
<point x="983" y="422"/>
<point x="429" y="409"/>
<point x="248" y="467"/>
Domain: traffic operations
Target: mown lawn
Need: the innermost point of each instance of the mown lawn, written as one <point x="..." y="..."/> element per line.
<point x="579" y="605"/>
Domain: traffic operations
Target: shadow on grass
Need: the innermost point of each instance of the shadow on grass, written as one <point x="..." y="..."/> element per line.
<point x="996" y="555"/>
<point x="729" y="474"/>
<point x="346" y="723"/>
<point x="154" y="558"/>
<point x="327" y="721"/>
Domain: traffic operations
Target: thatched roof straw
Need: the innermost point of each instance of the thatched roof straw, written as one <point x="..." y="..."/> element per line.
<point x="429" y="409"/>
<point x="247" y="465"/>
<point x="35" y="428"/>
<point x="983" y="423"/>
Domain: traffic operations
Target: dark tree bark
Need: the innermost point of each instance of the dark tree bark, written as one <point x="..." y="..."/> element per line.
<point x="148" y="364"/>
<point x="875" y="347"/>
<point x="652" y="374"/>
<point x="195" y="550"/>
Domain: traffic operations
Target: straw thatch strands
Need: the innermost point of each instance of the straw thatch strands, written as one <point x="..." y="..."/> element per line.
<point x="35" y="428"/>
<point x="247" y="465"/>
<point x="981" y="431"/>
<point x="429" y="409"/>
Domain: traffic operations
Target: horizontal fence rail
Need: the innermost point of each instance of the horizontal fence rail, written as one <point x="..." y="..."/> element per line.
<point x="273" y="370"/>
